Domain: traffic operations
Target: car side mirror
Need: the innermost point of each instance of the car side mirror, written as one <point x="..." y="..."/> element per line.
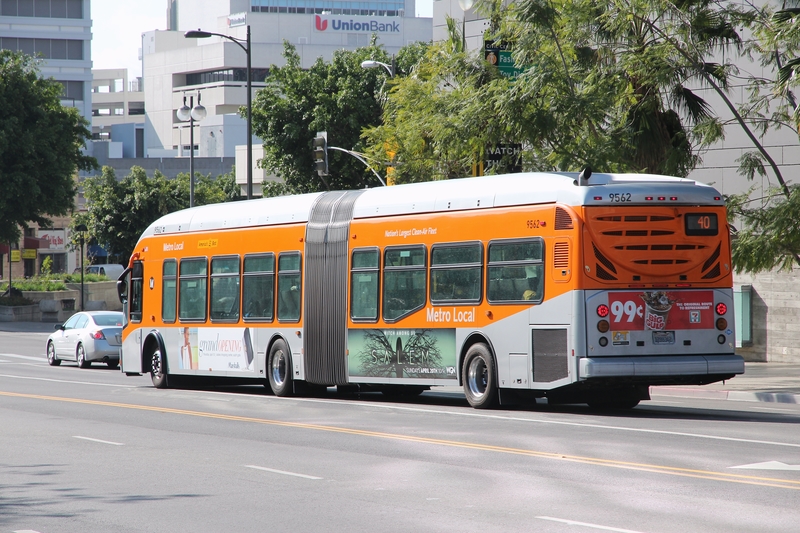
<point x="58" y="326"/>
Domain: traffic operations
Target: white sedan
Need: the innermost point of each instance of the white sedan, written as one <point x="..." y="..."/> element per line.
<point x="86" y="337"/>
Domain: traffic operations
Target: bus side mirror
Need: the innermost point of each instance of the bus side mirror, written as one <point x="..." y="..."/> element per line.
<point x="122" y="286"/>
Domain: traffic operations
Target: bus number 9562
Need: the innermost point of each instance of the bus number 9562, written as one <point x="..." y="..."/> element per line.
<point x="619" y="197"/>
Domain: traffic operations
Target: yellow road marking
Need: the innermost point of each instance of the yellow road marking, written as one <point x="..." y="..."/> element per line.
<point x="643" y="467"/>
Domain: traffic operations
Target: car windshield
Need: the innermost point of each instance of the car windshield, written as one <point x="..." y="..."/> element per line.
<point x="108" y="320"/>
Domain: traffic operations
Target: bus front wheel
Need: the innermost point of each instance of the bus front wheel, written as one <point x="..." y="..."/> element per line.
<point x="279" y="369"/>
<point x="478" y="375"/>
<point x="158" y="369"/>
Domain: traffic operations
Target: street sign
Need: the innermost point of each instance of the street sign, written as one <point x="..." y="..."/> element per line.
<point x="504" y="157"/>
<point x="499" y="55"/>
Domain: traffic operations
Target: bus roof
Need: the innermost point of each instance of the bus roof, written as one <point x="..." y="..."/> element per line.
<point x="503" y="190"/>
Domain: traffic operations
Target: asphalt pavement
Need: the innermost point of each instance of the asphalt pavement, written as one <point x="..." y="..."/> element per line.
<point x="761" y="382"/>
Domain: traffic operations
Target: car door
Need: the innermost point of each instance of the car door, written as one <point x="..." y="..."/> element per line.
<point x="60" y="339"/>
<point x="73" y="336"/>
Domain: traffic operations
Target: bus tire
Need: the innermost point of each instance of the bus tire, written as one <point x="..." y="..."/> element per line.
<point x="479" y="377"/>
<point x="279" y="369"/>
<point x="158" y="369"/>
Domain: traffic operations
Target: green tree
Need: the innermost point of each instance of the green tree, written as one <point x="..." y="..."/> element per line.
<point x="120" y="210"/>
<point x="768" y="238"/>
<point x="40" y="147"/>
<point x="438" y="120"/>
<point x="339" y="97"/>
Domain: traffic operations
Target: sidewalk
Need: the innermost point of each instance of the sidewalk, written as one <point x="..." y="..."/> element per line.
<point x="28" y="327"/>
<point x="761" y="382"/>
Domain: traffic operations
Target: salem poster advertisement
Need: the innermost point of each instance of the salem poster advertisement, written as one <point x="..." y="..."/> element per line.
<point x="402" y="353"/>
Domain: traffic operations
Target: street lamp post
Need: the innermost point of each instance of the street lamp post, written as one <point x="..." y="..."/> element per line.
<point x="392" y="69"/>
<point x="200" y="34"/>
<point x="82" y="229"/>
<point x="191" y="113"/>
<point x="465" y="5"/>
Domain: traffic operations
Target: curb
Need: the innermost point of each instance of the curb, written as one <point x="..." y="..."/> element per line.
<point x="736" y="396"/>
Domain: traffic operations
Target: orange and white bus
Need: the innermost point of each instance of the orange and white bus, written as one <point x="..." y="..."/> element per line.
<point x="577" y="288"/>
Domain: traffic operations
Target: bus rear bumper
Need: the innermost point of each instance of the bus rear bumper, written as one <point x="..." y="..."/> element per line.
<point x="666" y="368"/>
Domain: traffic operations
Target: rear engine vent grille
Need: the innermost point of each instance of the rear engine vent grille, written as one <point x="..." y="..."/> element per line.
<point x="603" y="259"/>
<point x="563" y="220"/>
<point x="711" y="259"/>
<point x="713" y="273"/>
<point x="602" y="274"/>
<point x="561" y="255"/>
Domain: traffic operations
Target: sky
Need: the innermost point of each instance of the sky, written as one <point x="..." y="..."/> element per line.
<point x="117" y="27"/>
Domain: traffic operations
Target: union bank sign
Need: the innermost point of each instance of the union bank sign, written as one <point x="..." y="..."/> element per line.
<point x="334" y="23"/>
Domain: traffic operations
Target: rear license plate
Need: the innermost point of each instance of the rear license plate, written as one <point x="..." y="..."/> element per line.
<point x="663" y="337"/>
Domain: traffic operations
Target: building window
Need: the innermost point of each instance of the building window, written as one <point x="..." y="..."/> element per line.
<point x="72" y="9"/>
<point x="73" y="90"/>
<point x="65" y="49"/>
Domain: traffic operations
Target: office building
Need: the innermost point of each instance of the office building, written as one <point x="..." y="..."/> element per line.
<point x="213" y="70"/>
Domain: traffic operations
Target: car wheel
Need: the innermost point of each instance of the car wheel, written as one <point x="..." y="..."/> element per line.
<point x="279" y="370"/>
<point x="158" y="372"/>
<point x="52" y="360"/>
<point x="478" y="375"/>
<point x="82" y="362"/>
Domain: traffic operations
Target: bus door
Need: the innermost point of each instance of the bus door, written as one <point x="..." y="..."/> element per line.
<point x="131" y="294"/>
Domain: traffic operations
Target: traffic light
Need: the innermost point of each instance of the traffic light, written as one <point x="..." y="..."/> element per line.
<point x="321" y="153"/>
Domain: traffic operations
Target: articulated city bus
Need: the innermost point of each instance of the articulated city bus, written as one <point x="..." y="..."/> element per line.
<point x="576" y="288"/>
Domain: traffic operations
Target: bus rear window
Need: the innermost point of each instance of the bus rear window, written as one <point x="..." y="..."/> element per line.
<point x="701" y="224"/>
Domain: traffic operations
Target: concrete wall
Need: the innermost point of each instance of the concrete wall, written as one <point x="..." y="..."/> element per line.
<point x="775" y="315"/>
<point x="58" y="306"/>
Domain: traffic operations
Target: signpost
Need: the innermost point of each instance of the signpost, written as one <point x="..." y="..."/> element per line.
<point x="506" y="157"/>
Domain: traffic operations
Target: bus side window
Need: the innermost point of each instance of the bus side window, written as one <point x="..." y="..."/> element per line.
<point x="515" y="271"/>
<point x="169" y="289"/>
<point x="225" y="288"/>
<point x="456" y="273"/>
<point x="137" y="286"/>
<point x="364" y="289"/>
<point x="289" y="287"/>
<point x="192" y="289"/>
<point x="258" y="286"/>
<point x="404" y="284"/>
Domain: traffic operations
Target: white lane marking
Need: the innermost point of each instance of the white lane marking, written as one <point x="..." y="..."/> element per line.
<point x="450" y="413"/>
<point x="25" y="531"/>
<point x="28" y="357"/>
<point x="768" y="465"/>
<point x="587" y="524"/>
<point x="283" y="472"/>
<point x="539" y="421"/>
<point x="70" y="381"/>
<point x="98" y="440"/>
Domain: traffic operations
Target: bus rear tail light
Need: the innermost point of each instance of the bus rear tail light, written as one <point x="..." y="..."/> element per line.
<point x="603" y="326"/>
<point x="602" y="310"/>
<point x="721" y="309"/>
<point x="722" y="324"/>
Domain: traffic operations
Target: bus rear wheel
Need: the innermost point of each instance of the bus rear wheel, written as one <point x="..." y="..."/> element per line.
<point x="279" y="369"/>
<point x="158" y="369"/>
<point x="478" y="376"/>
